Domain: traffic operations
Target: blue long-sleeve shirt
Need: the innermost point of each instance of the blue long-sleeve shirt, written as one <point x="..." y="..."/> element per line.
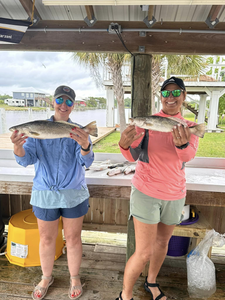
<point x="59" y="171"/>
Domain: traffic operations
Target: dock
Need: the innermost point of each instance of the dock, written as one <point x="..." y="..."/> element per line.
<point x="102" y="272"/>
<point x="5" y="142"/>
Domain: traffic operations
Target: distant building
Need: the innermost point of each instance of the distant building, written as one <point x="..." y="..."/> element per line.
<point x="30" y="96"/>
<point x="79" y="102"/>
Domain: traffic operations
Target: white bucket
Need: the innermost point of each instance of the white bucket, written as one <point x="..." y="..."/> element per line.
<point x="186" y="212"/>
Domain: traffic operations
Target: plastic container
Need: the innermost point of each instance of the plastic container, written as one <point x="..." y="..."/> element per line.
<point x="178" y="246"/>
<point x="23" y="240"/>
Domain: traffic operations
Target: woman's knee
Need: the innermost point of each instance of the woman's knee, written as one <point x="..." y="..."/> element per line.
<point x="72" y="239"/>
<point x="144" y="255"/>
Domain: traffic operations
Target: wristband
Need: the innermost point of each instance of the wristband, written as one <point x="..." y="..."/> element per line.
<point x="183" y="146"/>
<point x="87" y="149"/>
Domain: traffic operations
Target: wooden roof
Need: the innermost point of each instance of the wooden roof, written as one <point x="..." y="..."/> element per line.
<point x="178" y="29"/>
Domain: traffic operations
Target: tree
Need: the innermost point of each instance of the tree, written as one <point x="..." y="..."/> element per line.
<point x="114" y="62"/>
<point x="177" y="64"/>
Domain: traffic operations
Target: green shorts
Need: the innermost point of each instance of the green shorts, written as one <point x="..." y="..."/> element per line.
<point x="152" y="211"/>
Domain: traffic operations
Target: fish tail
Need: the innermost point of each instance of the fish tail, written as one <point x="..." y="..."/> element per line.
<point x="198" y="130"/>
<point x="92" y="129"/>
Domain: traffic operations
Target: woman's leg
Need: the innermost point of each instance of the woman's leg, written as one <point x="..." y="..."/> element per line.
<point x="72" y="232"/>
<point x="164" y="233"/>
<point x="145" y="236"/>
<point x="48" y="231"/>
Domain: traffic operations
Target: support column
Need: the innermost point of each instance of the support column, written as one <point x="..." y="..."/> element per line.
<point x="159" y="103"/>
<point x="110" y="107"/>
<point x="3" y="118"/>
<point x="213" y="112"/>
<point x="201" y="110"/>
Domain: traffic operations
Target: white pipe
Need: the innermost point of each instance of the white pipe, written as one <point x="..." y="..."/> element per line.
<point x="128" y="30"/>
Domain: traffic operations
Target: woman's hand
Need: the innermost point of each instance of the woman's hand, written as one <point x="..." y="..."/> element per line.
<point x="128" y="136"/>
<point x="81" y="137"/>
<point x="18" y="140"/>
<point x="181" y="135"/>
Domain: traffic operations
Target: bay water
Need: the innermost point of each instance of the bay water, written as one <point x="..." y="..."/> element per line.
<point x="12" y="118"/>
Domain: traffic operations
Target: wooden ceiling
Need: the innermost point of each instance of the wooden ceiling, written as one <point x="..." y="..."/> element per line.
<point x="200" y="31"/>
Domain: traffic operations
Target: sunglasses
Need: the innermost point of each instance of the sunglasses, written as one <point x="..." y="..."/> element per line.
<point x="175" y="93"/>
<point x="61" y="100"/>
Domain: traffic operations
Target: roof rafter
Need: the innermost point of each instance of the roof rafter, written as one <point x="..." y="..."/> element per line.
<point x="28" y="6"/>
<point x="214" y="11"/>
<point x="90" y="12"/>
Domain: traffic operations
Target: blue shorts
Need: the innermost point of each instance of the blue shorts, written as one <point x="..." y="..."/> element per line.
<point x="45" y="214"/>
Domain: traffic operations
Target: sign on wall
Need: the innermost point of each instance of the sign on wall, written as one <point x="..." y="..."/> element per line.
<point x="12" y="31"/>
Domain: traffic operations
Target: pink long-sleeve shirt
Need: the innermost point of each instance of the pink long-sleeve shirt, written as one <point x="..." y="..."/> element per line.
<point x="160" y="170"/>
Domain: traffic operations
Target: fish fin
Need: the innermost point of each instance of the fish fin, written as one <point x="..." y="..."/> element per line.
<point x="66" y="123"/>
<point x="91" y="128"/>
<point x="198" y="130"/>
<point x="34" y="133"/>
<point x="178" y="120"/>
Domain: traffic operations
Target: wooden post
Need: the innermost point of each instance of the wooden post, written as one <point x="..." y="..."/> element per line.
<point x="141" y="86"/>
<point x="130" y="238"/>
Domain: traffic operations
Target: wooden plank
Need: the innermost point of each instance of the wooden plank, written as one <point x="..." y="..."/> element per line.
<point x="122" y="211"/>
<point x="88" y="216"/>
<point x="205" y="198"/>
<point x="16" y="203"/>
<point x="97" y="211"/>
<point x="154" y="42"/>
<point x="109" y="211"/>
<point x="103" y="227"/>
<point x="16" y="188"/>
<point x="5" y="205"/>
<point x="112" y="249"/>
<point x="105" y="191"/>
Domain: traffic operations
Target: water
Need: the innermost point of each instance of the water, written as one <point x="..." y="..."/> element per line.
<point x="12" y="118"/>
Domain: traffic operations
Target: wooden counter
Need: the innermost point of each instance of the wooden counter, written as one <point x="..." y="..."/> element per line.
<point x="109" y="196"/>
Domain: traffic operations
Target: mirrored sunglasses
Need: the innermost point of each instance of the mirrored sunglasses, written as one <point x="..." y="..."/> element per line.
<point x="61" y="100"/>
<point x="175" y="93"/>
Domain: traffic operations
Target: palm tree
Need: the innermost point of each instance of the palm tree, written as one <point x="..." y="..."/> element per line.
<point x="177" y="64"/>
<point x="114" y="62"/>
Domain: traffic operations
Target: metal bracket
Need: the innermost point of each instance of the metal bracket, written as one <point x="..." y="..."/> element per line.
<point x="141" y="49"/>
<point x="211" y="24"/>
<point x="149" y="23"/>
<point x="142" y="33"/>
<point x="91" y="22"/>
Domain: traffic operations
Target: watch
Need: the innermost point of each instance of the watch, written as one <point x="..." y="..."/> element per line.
<point x="183" y="146"/>
<point x="87" y="149"/>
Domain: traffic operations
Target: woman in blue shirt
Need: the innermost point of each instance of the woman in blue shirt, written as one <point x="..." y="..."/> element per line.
<point x="59" y="189"/>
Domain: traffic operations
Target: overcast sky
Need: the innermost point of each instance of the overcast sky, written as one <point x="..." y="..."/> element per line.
<point x="45" y="71"/>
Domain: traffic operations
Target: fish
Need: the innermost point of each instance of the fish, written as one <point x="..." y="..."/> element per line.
<point x="44" y="129"/>
<point x="115" y="171"/>
<point x="129" y="169"/>
<point x="165" y="124"/>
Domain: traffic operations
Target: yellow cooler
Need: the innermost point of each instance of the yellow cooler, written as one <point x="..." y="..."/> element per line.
<point x="23" y="240"/>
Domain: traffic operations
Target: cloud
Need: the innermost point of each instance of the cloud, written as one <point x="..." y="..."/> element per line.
<point x="45" y="71"/>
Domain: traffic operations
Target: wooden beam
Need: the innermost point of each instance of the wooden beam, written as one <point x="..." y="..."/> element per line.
<point x="159" y="42"/>
<point x="150" y="12"/>
<point x="28" y="6"/>
<point x="213" y="14"/>
<point x="90" y="12"/>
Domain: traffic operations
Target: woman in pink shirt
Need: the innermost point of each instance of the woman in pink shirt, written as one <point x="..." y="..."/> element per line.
<point x="158" y="187"/>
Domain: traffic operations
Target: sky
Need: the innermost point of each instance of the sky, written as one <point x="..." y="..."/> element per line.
<point x="45" y="71"/>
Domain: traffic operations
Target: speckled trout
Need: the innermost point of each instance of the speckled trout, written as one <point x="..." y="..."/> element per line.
<point x="165" y="124"/>
<point x="43" y="129"/>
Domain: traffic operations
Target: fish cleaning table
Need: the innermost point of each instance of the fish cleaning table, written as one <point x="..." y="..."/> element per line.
<point x="109" y="196"/>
